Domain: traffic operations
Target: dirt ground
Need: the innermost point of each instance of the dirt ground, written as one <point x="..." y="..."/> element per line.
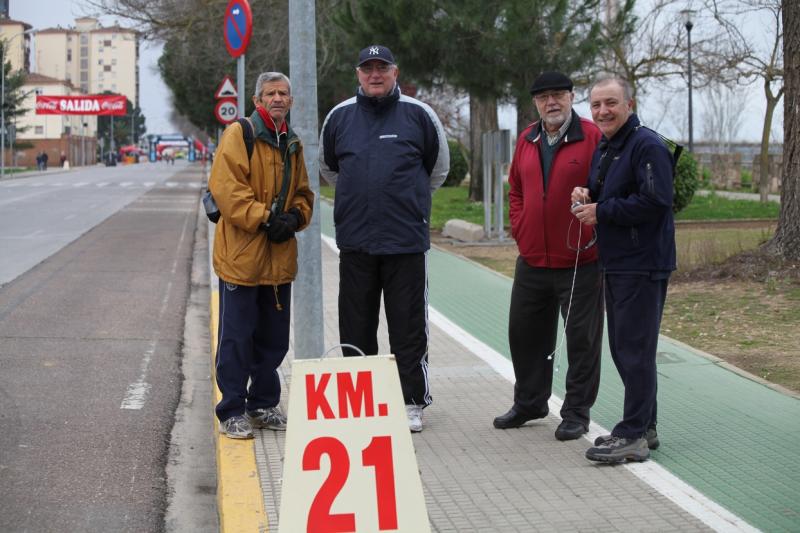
<point x="745" y="310"/>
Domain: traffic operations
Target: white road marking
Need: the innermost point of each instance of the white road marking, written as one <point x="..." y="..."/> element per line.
<point x="136" y="395"/>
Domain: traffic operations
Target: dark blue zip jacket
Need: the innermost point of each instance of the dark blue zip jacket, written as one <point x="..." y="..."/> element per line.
<point x="385" y="157"/>
<point x="635" y="226"/>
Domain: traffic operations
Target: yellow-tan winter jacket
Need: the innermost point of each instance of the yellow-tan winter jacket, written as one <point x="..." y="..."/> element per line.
<point x="244" y="191"/>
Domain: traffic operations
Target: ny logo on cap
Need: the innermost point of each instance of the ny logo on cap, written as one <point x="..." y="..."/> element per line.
<point x="373" y="50"/>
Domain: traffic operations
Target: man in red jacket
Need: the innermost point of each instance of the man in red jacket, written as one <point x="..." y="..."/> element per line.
<point x="557" y="267"/>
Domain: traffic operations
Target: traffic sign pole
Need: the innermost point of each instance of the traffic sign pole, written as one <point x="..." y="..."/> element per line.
<point x="240" y="84"/>
<point x="237" y="29"/>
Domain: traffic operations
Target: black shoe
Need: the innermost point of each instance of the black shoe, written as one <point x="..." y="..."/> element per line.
<point x="570" y="430"/>
<point x="513" y="419"/>
<point x="652" y="439"/>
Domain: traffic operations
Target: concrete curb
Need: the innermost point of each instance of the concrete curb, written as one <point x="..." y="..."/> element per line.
<point x="239" y="499"/>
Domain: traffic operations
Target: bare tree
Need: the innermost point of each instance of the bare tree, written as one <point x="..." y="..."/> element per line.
<point x="755" y="63"/>
<point x="450" y="105"/>
<point x="646" y="43"/>
<point x="159" y="19"/>
<point x="786" y="242"/>
<point x="722" y="116"/>
<point x="642" y="49"/>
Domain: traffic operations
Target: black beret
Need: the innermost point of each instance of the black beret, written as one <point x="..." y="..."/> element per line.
<point x="550" y="81"/>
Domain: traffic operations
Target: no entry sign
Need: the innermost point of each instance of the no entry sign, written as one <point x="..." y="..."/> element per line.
<point x="349" y="463"/>
<point x="238" y="27"/>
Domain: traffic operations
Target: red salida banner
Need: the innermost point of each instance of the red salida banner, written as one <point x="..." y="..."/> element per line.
<point x="93" y="104"/>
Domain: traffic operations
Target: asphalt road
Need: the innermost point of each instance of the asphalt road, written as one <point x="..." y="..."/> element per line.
<point x="96" y="269"/>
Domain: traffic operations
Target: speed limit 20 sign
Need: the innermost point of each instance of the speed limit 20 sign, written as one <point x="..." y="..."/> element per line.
<point x="226" y="110"/>
<point x="349" y="461"/>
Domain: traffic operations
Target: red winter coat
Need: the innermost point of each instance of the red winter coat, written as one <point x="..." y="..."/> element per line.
<point x="540" y="219"/>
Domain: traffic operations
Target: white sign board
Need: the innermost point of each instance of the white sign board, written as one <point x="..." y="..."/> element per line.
<point x="349" y="463"/>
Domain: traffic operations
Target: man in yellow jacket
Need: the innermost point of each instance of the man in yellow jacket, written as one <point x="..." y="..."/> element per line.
<point x="255" y="257"/>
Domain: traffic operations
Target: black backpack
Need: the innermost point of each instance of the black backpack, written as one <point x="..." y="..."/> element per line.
<point x="212" y="211"/>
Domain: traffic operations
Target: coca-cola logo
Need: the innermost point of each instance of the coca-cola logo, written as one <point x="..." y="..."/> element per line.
<point x="112" y="105"/>
<point x="46" y="105"/>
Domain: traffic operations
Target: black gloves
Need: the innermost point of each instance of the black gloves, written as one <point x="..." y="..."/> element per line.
<point x="281" y="228"/>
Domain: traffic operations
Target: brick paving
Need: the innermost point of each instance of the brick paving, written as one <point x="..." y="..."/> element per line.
<point x="477" y="478"/>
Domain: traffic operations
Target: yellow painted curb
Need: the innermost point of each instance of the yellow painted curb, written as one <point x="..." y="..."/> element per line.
<point x="240" y="501"/>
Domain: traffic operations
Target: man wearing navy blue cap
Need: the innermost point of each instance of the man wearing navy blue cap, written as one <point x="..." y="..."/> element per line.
<point x="386" y="153"/>
<point x="556" y="271"/>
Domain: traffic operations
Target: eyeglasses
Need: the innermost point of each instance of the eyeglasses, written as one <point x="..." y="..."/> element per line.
<point x="555" y="95"/>
<point x="382" y="68"/>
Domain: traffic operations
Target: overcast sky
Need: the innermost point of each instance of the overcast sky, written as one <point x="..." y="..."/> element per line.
<point x="664" y="111"/>
<point x="155" y="100"/>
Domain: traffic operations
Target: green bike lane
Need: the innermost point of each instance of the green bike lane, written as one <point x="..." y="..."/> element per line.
<point x="733" y="439"/>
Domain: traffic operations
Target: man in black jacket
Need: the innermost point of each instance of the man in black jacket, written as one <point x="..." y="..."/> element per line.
<point x="386" y="153"/>
<point x="629" y="198"/>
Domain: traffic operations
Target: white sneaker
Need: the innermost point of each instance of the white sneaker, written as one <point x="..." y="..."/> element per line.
<point x="414" y="413"/>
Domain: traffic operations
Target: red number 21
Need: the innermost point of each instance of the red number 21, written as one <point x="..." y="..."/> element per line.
<point x="379" y="455"/>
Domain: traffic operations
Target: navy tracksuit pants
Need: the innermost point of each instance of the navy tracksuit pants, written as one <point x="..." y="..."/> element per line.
<point x="403" y="281"/>
<point x="634" y="305"/>
<point x="253" y="339"/>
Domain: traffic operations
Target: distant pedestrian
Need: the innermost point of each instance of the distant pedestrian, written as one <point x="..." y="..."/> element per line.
<point x="39" y="161"/>
<point x="629" y="197"/>
<point x="386" y="153"/>
<point x="555" y="274"/>
<point x="264" y="198"/>
<point x="63" y="159"/>
<point x="44" y="160"/>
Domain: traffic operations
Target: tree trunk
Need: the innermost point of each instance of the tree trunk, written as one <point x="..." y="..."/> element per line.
<point x="787" y="237"/>
<point x="482" y="118"/>
<point x="526" y="113"/>
<point x="763" y="159"/>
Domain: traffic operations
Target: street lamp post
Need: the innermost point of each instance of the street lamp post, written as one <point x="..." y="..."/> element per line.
<point x="687" y="15"/>
<point x="3" y="100"/>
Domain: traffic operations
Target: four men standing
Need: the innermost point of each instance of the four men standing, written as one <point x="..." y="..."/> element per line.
<point x="386" y="153"/>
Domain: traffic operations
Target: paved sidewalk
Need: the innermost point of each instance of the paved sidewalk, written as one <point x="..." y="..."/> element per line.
<point x="728" y="461"/>
<point x="477" y="478"/>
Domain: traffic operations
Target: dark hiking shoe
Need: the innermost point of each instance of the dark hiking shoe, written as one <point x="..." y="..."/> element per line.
<point x="269" y="418"/>
<point x="619" y="450"/>
<point x="236" y="427"/>
<point x="652" y="439"/>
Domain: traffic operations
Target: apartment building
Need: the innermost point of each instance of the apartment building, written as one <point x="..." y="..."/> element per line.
<point x="84" y="59"/>
<point x="92" y="58"/>
<point x="18" y="43"/>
